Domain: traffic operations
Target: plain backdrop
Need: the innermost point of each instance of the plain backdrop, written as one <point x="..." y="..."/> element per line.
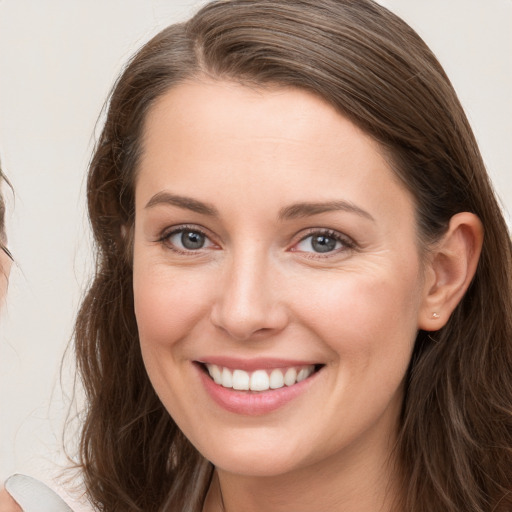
<point x="58" y="60"/>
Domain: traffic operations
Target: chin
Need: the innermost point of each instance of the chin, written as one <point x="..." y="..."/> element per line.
<point x="258" y="464"/>
<point x="258" y="457"/>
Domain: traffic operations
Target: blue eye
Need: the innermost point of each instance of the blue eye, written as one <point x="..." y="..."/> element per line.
<point x="321" y="243"/>
<point x="188" y="240"/>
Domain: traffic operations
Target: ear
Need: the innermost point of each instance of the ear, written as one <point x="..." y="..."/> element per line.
<point x="450" y="269"/>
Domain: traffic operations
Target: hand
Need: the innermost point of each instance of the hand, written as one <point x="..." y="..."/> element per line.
<point x="7" y="503"/>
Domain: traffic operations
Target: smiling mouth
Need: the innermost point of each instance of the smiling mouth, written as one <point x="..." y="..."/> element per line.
<point x="259" y="380"/>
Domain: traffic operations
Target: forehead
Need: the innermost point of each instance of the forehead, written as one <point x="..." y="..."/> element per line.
<point x="226" y="113"/>
<point x="212" y="108"/>
<point x="207" y="136"/>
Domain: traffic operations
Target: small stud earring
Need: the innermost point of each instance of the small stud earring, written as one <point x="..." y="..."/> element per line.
<point x="435" y="315"/>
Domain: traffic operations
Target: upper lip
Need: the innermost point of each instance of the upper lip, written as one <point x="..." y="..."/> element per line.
<point x="258" y="363"/>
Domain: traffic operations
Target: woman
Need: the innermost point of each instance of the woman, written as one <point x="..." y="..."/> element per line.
<point x="288" y="200"/>
<point x="21" y="489"/>
<point x="6" y="502"/>
<point x="302" y="295"/>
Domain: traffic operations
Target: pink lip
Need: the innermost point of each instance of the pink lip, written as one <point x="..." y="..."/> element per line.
<point x="253" y="403"/>
<point x="251" y="365"/>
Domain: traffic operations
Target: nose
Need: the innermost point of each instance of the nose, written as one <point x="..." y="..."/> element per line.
<point x="249" y="303"/>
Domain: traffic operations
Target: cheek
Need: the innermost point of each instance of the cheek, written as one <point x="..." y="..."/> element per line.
<point x="168" y="308"/>
<point x="369" y="324"/>
<point x="368" y="321"/>
<point x="166" y="305"/>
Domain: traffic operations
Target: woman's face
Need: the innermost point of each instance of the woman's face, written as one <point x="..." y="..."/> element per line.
<point x="273" y="245"/>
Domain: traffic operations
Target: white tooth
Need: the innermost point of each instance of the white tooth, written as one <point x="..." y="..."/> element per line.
<point x="240" y="380"/>
<point x="215" y="373"/>
<point x="259" y="381"/>
<point x="276" y="379"/>
<point x="303" y="374"/>
<point x="290" y="376"/>
<point x="306" y="372"/>
<point x="227" y="378"/>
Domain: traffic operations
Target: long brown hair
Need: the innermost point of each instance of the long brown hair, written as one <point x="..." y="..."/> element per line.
<point x="455" y="439"/>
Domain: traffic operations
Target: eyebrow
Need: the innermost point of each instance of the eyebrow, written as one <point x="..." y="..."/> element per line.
<point x="182" y="202"/>
<point x="293" y="211"/>
<point x="298" y="210"/>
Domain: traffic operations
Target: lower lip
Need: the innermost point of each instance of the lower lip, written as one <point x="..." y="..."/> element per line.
<point x="253" y="403"/>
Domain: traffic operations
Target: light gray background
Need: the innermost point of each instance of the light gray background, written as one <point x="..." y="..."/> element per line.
<point x="58" y="60"/>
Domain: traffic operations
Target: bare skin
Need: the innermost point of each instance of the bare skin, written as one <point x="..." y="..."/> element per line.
<point x="7" y="503"/>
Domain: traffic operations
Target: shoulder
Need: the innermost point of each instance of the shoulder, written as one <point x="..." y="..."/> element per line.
<point x="7" y="503"/>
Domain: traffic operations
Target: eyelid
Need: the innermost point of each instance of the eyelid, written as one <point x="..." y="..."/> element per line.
<point x="347" y="242"/>
<point x="166" y="234"/>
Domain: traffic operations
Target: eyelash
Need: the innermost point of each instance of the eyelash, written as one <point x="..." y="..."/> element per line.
<point x="346" y="242"/>
<point x="166" y="236"/>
